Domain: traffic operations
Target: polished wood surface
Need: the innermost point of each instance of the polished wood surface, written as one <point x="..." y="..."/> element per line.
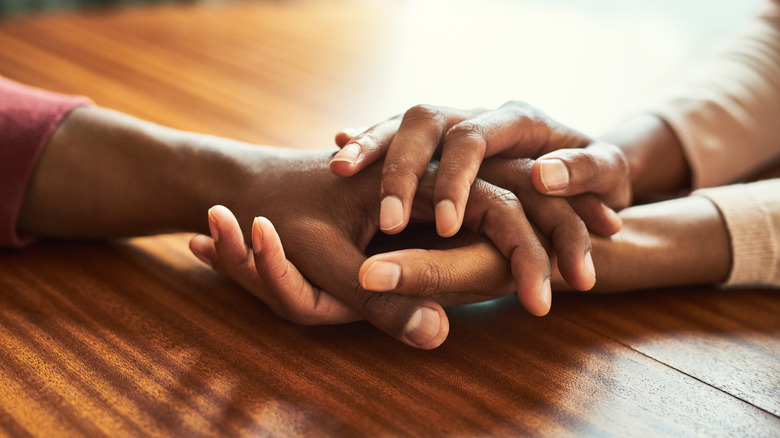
<point x="136" y="337"/>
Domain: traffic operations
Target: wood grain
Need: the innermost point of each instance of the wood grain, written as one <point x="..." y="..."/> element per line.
<point x="136" y="338"/>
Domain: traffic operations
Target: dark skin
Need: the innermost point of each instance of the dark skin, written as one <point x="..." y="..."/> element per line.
<point x="100" y="176"/>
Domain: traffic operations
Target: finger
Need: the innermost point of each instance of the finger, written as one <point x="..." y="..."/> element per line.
<point x="497" y="213"/>
<point x="303" y="303"/>
<point x="599" y="218"/>
<point x="364" y="148"/>
<point x="419" y="322"/>
<point x="516" y="129"/>
<point x="476" y="269"/>
<point x="407" y="158"/>
<point x="233" y="259"/>
<point x="286" y="292"/>
<point x="554" y="217"/>
<point x="347" y="134"/>
<point x="600" y="168"/>
<point x="202" y="247"/>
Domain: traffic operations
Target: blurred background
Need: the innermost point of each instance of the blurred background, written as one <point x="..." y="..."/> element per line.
<point x="10" y="7"/>
<point x="342" y="63"/>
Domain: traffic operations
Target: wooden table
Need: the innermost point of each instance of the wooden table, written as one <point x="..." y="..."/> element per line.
<point x="136" y="337"/>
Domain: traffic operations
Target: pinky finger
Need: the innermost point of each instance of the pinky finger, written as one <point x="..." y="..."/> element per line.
<point x="346" y="135"/>
<point x="202" y="247"/>
<point x="362" y="149"/>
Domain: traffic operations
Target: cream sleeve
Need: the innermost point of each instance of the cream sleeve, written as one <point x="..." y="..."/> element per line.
<point x="752" y="215"/>
<point x="726" y="111"/>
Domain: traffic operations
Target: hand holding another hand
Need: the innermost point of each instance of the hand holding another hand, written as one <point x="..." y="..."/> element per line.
<point x="326" y="224"/>
<point x="569" y="162"/>
<point x="593" y="177"/>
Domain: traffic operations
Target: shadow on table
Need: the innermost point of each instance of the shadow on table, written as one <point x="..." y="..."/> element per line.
<point x="155" y="341"/>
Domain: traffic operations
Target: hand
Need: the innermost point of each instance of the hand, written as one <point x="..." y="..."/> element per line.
<point x="326" y="224"/>
<point x="679" y="242"/>
<point x="324" y="221"/>
<point x="673" y="243"/>
<point x="465" y="138"/>
<point x="265" y="271"/>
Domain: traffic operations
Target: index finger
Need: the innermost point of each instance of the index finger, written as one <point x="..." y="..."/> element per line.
<point x="408" y="156"/>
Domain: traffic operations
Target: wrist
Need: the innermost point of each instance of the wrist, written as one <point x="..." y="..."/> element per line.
<point x="248" y="179"/>
<point x="105" y="174"/>
<point x="673" y="243"/>
<point x="657" y="163"/>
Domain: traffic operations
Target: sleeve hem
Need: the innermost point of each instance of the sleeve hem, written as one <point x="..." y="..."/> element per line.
<point x="754" y="248"/>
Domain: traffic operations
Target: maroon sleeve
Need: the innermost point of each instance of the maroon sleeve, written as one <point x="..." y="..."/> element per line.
<point x="28" y="117"/>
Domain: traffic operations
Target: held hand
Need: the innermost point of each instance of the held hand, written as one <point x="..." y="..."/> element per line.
<point x="265" y="271"/>
<point x="326" y="224"/>
<point x="555" y="220"/>
<point x="673" y="243"/>
<point x="465" y="138"/>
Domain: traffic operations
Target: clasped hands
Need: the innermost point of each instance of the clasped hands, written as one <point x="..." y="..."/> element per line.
<point x="527" y="190"/>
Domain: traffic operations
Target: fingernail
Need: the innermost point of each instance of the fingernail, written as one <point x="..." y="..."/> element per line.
<point x="554" y="174"/>
<point x="547" y="294"/>
<point x="391" y="213"/>
<point x="202" y="258"/>
<point x="587" y="265"/>
<point x="381" y="276"/>
<point x="446" y="218"/>
<point x="213" y="225"/>
<point x="348" y="153"/>
<point x="423" y="326"/>
<point x="257" y="236"/>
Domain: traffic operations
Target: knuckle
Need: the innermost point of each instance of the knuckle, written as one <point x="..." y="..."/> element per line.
<point x="525" y="110"/>
<point x="431" y="280"/>
<point x="621" y="161"/>
<point x="588" y="166"/>
<point x="500" y="204"/>
<point x="520" y="176"/>
<point x="376" y="307"/>
<point x="572" y="240"/>
<point x="467" y="129"/>
<point x="518" y="104"/>
<point x="504" y="198"/>
<point x="395" y="174"/>
<point x="237" y="261"/>
<point x="423" y="112"/>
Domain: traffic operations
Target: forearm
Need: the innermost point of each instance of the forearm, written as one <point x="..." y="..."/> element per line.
<point x="105" y="174"/>
<point x="672" y="243"/>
